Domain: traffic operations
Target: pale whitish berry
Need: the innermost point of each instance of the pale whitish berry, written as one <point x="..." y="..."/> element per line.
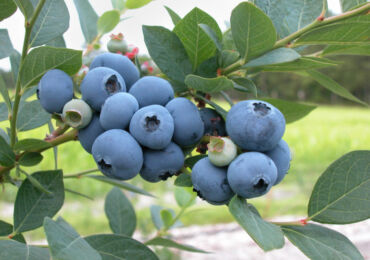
<point x="77" y="113"/>
<point x="221" y="151"/>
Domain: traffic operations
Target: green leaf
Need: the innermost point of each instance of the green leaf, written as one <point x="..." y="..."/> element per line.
<point x="7" y="156"/>
<point x="268" y="236"/>
<point x="32" y="205"/>
<point x="289" y="16"/>
<point x="7" y="8"/>
<point x="3" y="112"/>
<point x="346" y="49"/>
<point x="52" y="22"/>
<point x="120" y="184"/>
<point x="155" y="214"/>
<point x="28" y="93"/>
<point x="13" y="250"/>
<point x="35" y="182"/>
<point x="31" y="145"/>
<point x="166" y="217"/>
<point x="183" y="180"/>
<point x="6" y="46"/>
<point x="15" y="59"/>
<point x="114" y="247"/>
<point x="252" y="30"/>
<point x="167" y="52"/>
<point x="318" y="242"/>
<point x="245" y="85"/>
<point x="26" y="8"/>
<point x="228" y="57"/>
<point x="108" y="21"/>
<point x="349" y="4"/>
<point x="292" y="111"/>
<point x="45" y="58"/>
<point x="6" y="229"/>
<point x="58" y="42"/>
<point x="174" y="16"/>
<point x="341" y="194"/>
<point x="185" y="197"/>
<point x="120" y="213"/>
<point x="228" y="40"/>
<point x="351" y="31"/>
<point x="4" y="135"/>
<point x="31" y="115"/>
<point x="198" y="45"/>
<point x="118" y="4"/>
<point x="30" y="159"/>
<point x="212" y="35"/>
<point x="55" y="148"/>
<point x="333" y="86"/>
<point x="133" y="4"/>
<point x="165" y="242"/>
<point x="5" y="94"/>
<point x="88" y="19"/>
<point x="208" y="68"/>
<point x="208" y="85"/>
<point x="65" y="243"/>
<point x="276" y="56"/>
<point x="304" y="63"/>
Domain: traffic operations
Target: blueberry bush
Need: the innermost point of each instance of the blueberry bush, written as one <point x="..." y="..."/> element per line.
<point x="156" y="117"/>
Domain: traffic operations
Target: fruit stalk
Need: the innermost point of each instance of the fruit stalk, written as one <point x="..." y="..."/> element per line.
<point x="28" y="26"/>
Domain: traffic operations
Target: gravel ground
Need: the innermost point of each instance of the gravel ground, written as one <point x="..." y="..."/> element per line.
<point x="229" y="241"/>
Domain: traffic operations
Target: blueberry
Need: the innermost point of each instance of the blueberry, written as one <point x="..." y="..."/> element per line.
<point x="251" y="174"/>
<point x="87" y="135"/>
<point x="214" y="124"/>
<point x="189" y="127"/>
<point x="55" y="90"/>
<point x="99" y="84"/>
<point x="210" y="182"/>
<point x="119" y="63"/>
<point x="281" y="157"/>
<point x="118" y="110"/>
<point x="255" y="125"/>
<point x="221" y="151"/>
<point x="151" y="90"/>
<point x="76" y="113"/>
<point x="117" y="154"/>
<point x="162" y="164"/>
<point x="152" y="126"/>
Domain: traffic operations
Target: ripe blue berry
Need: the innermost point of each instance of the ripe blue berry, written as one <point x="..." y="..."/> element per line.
<point x="251" y="174"/>
<point x="281" y="157"/>
<point x="87" y="135"/>
<point x="189" y="127"/>
<point x="210" y="182"/>
<point x="99" y="84"/>
<point x="152" y="126"/>
<point x="255" y="125"/>
<point x="118" y="110"/>
<point x="162" y="164"/>
<point x="119" y="63"/>
<point x="151" y="90"/>
<point x="214" y="124"/>
<point x="117" y="154"/>
<point x="55" y="90"/>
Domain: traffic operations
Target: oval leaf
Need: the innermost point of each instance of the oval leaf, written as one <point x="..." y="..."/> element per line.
<point x="165" y="242"/>
<point x="252" y="30"/>
<point x="198" y="45"/>
<point x="120" y="213"/>
<point x="45" y="58"/>
<point x="7" y="8"/>
<point x="88" y="19"/>
<point x="31" y="145"/>
<point x="155" y="214"/>
<point x="65" y="243"/>
<point x="208" y="85"/>
<point x="52" y="22"/>
<point x="133" y="4"/>
<point x="26" y="8"/>
<point x="340" y="194"/>
<point x="6" y="229"/>
<point x="166" y="217"/>
<point x="185" y="197"/>
<point x="13" y="250"/>
<point x="277" y="56"/>
<point x="347" y="49"/>
<point x="3" y="112"/>
<point x="349" y="4"/>
<point x="108" y="21"/>
<point x="268" y="236"/>
<point x="304" y="63"/>
<point x="245" y="85"/>
<point x="7" y="156"/>
<point x="30" y="159"/>
<point x="6" y="46"/>
<point x="114" y="246"/>
<point x="318" y="242"/>
<point x="183" y="180"/>
<point x="32" y="115"/>
<point x="32" y="205"/>
<point x="5" y="94"/>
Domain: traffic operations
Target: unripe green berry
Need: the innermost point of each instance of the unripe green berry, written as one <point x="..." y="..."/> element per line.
<point x="221" y="151"/>
<point x="77" y="113"/>
<point x="117" y="44"/>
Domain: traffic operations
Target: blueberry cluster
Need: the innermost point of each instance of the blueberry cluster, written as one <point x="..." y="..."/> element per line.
<point x="255" y="129"/>
<point x="135" y="125"/>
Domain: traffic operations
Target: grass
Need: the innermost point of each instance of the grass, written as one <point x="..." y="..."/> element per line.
<point x="316" y="141"/>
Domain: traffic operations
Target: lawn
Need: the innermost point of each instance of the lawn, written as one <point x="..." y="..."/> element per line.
<point x="316" y="141"/>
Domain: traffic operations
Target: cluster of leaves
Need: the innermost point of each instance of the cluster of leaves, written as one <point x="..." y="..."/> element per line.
<point x="198" y="59"/>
